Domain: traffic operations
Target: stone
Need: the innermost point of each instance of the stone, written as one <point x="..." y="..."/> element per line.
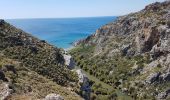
<point x="53" y="97"/>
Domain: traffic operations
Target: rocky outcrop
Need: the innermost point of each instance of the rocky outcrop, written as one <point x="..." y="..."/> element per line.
<point x="53" y="97"/>
<point x="140" y="32"/>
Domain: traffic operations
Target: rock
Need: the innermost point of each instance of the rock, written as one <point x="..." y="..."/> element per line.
<point x="54" y="97"/>
<point x="125" y="49"/>
<point x="4" y="91"/>
<point x="166" y="77"/>
<point x="164" y="95"/>
<point x="69" y="61"/>
<point x="153" y="78"/>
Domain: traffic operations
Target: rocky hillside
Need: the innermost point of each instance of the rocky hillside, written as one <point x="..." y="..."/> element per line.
<point x="131" y="54"/>
<point x="31" y="68"/>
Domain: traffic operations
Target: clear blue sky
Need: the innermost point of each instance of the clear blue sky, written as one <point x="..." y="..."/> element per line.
<point x="69" y="8"/>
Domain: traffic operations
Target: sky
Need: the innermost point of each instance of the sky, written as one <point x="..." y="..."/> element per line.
<point x="13" y="9"/>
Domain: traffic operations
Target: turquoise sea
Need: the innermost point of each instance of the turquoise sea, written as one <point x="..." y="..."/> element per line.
<point x="61" y="32"/>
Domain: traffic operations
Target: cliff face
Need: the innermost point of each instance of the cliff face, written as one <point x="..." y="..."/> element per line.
<point x="131" y="53"/>
<point x="142" y="30"/>
<point x="31" y="68"/>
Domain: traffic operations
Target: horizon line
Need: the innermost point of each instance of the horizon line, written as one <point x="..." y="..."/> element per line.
<point x="59" y="17"/>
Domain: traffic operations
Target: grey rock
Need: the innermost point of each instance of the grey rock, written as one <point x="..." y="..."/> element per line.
<point x="166" y="77"/>
<point x="53" y="97"/>
<point x="163" y="95"/>
<point x="125" y="49"/>
<point x="153" y="78"/>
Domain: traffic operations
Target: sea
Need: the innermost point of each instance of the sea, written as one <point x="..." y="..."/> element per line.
<point x="61" y="32"/>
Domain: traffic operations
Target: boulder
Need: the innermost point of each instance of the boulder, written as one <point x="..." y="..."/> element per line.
<point x="54" y="97"/>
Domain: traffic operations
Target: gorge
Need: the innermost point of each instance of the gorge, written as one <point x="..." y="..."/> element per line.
<point x="126" y="59"/>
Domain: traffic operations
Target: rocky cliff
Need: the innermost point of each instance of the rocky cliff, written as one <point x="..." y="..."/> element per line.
<point x="31" y="68"/>
<point x="131" y="54"/>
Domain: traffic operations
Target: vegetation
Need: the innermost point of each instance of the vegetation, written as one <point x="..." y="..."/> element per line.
<point x="35" y="54"/>
<point x="37" y="68"/>
<point x="100" y="71"/>
<point x="25" y="81"/>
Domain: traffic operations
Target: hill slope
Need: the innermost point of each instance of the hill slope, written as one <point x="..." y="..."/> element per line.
<point x="31" y="68"/>
<point x="131" y="54"/>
